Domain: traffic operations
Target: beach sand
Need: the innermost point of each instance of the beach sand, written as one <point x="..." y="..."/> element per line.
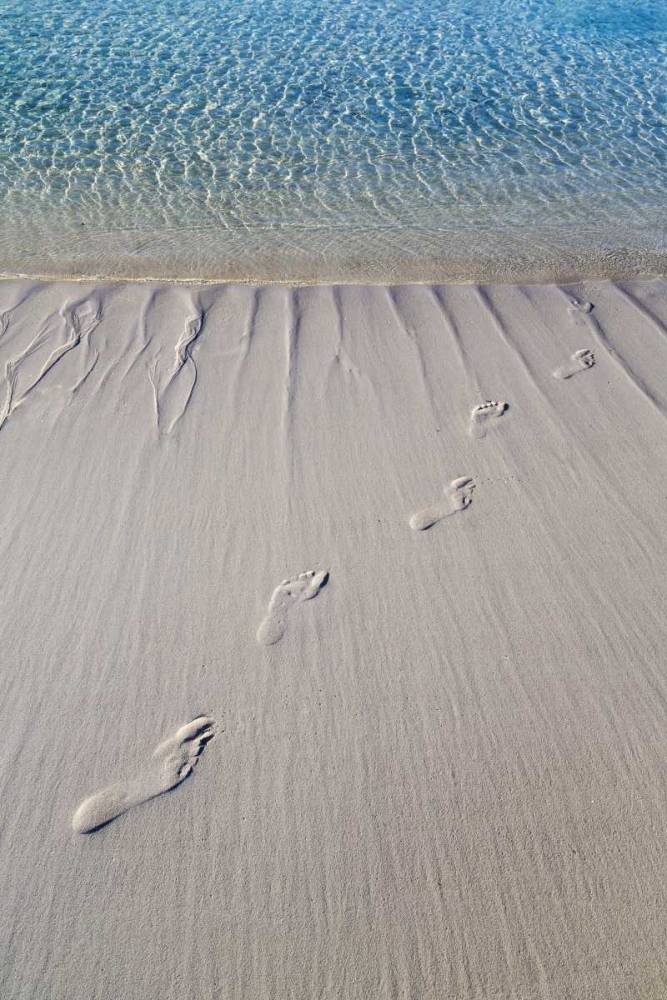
<point x="435" y="767"/>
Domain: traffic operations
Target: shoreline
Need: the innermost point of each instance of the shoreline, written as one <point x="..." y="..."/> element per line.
<point x="330" y="257"/>
<point x="562" y="275"/>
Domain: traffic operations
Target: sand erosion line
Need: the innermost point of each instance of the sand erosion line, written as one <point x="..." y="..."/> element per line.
<point x="452" y="329"/>
<point x="341" y="358"/>
<point x="630" y="374"/>
<point x="141" y="329"/>
<point x="10" y="380"/>
<point x="292" y="331"/>
<point x="78" y="324"/>
<point x="411" y="335"/>
<point x="182" y="365"/>
<point x="643" y="310"/>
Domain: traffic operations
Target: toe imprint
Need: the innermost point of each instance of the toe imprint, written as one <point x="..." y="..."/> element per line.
<point x="482" y="416"/>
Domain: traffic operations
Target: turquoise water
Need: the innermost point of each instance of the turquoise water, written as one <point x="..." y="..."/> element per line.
<point x="367" y="139"/>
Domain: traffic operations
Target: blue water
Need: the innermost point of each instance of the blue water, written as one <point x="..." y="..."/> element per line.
<point x="332" y="138"/>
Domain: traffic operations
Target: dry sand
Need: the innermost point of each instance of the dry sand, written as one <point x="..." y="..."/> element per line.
<point x="439" y="772"/>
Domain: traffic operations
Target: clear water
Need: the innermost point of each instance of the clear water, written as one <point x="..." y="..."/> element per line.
<point x="343" y="139"/>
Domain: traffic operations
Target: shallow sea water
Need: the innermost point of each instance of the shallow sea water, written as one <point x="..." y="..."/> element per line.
<point x="364" y="140"/>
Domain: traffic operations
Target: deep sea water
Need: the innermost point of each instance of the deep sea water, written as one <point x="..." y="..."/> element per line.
<point x="333" y="138"/>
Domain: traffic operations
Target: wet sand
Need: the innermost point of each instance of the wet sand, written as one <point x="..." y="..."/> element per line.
<point x="333" y="641"/>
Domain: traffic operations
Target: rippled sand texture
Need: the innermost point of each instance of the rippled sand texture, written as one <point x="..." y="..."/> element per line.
<point x="430" y="763"/>
<point x="333" y="140"/>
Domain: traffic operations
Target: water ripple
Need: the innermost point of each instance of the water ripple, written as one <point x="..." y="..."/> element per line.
<point x="337" y="139"/>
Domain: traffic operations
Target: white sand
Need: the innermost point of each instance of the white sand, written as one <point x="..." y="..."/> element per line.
<point x="444" y="773"/>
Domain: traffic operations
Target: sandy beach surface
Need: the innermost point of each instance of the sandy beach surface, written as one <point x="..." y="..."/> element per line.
<point x="431" y="763"/>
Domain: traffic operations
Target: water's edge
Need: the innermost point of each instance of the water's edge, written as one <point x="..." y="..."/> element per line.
<point x="344" y="257"/>
<point x="622" y="268"/>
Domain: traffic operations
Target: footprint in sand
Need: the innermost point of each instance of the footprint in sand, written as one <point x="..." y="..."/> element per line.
<point x="290" y="592"/>
<point x="484" y="415"/>
<point x="579" y="362"/>
<point x="458" y="496"/>
<point x="174" y="761"/>
<point x="580" y="306"/>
